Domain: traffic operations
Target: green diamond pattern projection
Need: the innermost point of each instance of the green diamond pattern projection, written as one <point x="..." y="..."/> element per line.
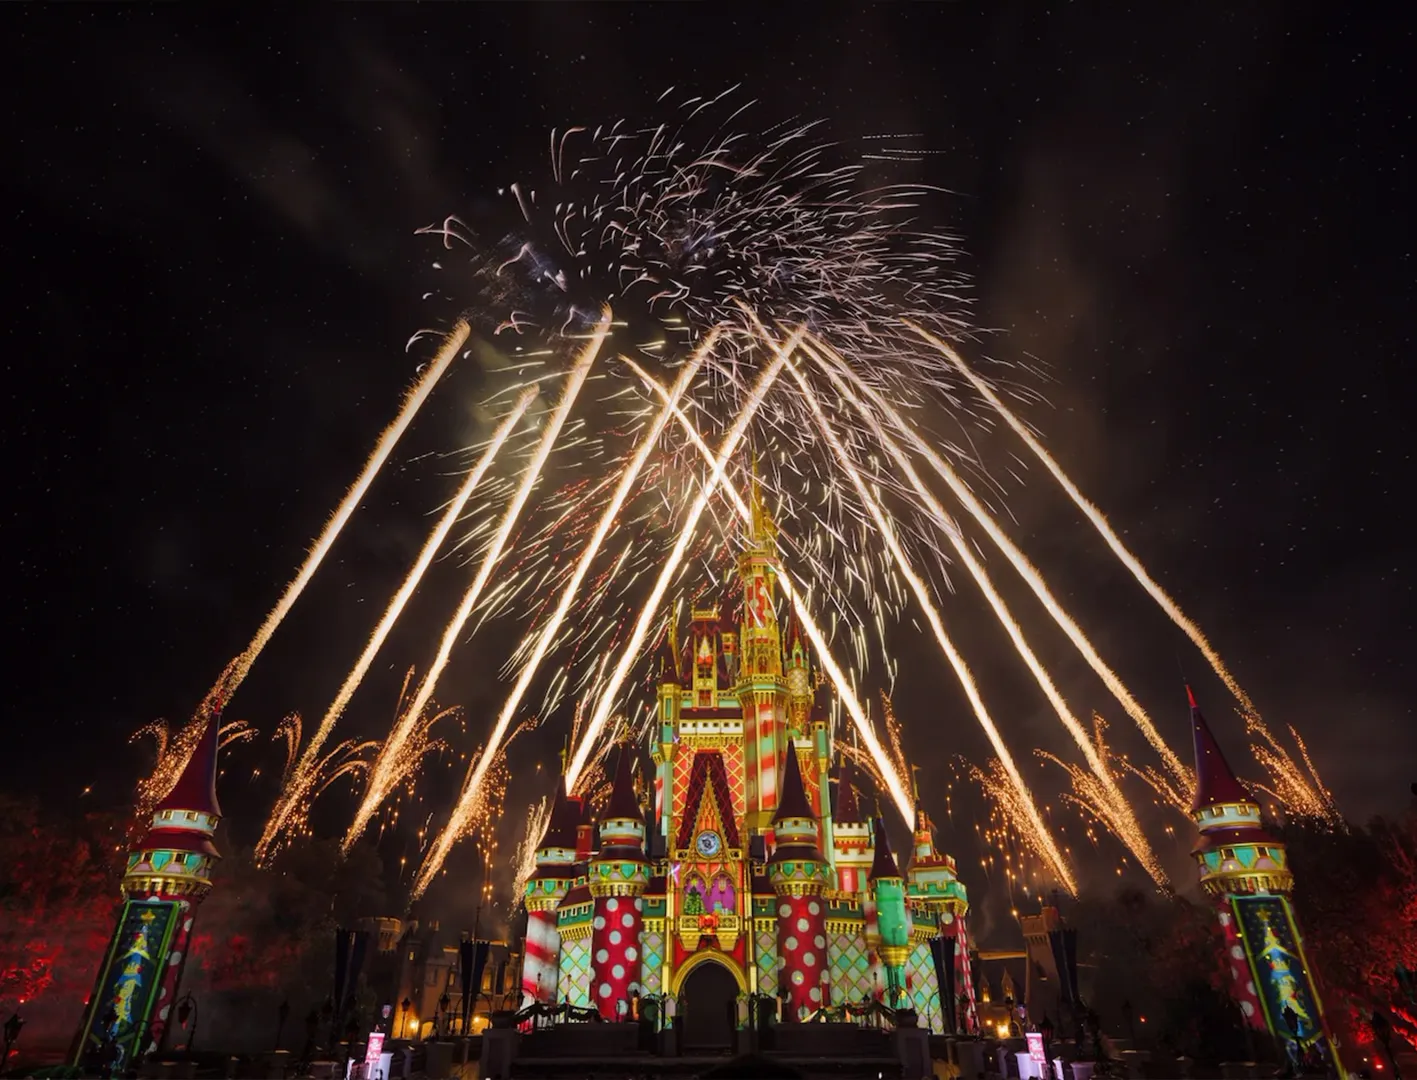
<point x="924" y="988"/>
<point x="767" y="962"/>
<point x="851" y="969"/>
<point x="652" y="963"/>
<point x="575" y="972"/>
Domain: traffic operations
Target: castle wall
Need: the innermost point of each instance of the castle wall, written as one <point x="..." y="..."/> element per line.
<point x="923" y="987"/>
<point x="652" y="970"/>
<point x="765" y="938"/>
<point x="574" y="984"/>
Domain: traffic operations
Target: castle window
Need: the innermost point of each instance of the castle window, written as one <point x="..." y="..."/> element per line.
<point x="1227" y="853"/>
<point x="191" y="815"/>
<point x="1262" y="852"/>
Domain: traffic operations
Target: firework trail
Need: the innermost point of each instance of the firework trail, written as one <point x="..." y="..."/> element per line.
<point x="650" y="611"/>
<point x="171" y="764"/>
<point x="386" y="765"/>
<point x="1119" y="814"/>
<point x="887" y="533"/>
<point x="1300" y="790"/>
<point x="459" y="819"/>
<point x="1021" y="563"/>
<point x="1305" y="788"/>
<point x="538" y="816"/>
<point x="300" y="781"/>
<point x="1100" y="801"/>
<point x="890" y="778"/>
<point x="1011" y="824"/>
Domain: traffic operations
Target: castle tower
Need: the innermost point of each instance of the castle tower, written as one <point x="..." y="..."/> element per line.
<point x="799" y="875"/>
<point x="888" y="890"/>
<point x="933" y="881"/>
<point x="851" y="836"/>
<point x="762" y="691"/>
<point x="797" y="675"/>
<point x="1245" y="870"/>
<point x="167" y="877"/>
<point x="545" y="889"/>
<point x="662" y="733"/>
<point x="618" y="876"/>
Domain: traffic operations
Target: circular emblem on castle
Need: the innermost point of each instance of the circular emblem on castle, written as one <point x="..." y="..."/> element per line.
<point x="708" y="844"/>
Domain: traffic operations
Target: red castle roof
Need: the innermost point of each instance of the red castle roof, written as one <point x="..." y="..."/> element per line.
<point x="1215" y="782"/>
<point x="623" y="803"/>
<point x="195" y="789"/>
<point x="884" y="864"/>
<point x="793" y="801"/>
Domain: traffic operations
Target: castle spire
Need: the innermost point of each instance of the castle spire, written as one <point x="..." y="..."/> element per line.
<point x="195" y="789"/>
<point x="883" y="865"/>
<point x="1215" y="781"/>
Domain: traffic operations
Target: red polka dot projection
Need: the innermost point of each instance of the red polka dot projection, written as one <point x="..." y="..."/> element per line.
<point x="802" y="951"/>
<point x="615" y="952"/>
<point x="1241" y="975"/>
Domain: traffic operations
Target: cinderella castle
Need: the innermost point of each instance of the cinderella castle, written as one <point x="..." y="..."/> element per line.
<point x="755" y="871"/>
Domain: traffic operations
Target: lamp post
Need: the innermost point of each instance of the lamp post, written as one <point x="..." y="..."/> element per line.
<point x="403" y="1017"/>
<point x="282" y="1015"/>
<point x="13" y="1027"/>
<point x="187" y="1009"/>
<point x="438" y="1017"/>
<point x="1046" y="1030"/>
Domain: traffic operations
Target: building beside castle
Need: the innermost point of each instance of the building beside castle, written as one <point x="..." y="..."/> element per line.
<point x="168" y="874"/>
<point x="753" y="868"/>
<point x="1244" y="869"/>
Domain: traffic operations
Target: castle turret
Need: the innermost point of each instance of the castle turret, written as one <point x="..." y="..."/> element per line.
<point x="167" y="877"/>
<point x="761" y="690"/>
<point x="665" y="731"/>
<point x="799" y="875"/>
<point x="618" y="876"/>
<point x="547" y="885"/>
<point x="851" y="835"/>
<point x="1245" y="870"/>
<point x="888" y="890"/>
<point x="933" y="881"/>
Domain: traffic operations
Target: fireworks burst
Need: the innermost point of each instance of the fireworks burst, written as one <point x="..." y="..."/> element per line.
<point x="695" y="297"/>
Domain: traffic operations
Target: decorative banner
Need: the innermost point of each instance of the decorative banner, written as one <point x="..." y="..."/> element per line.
<point x="372" y="1052"/>
<point x="1281" y="974"/>
<point x="1036" y="1051"/>
<point x="123" y="999"/>
<point x="1063" y="944"/>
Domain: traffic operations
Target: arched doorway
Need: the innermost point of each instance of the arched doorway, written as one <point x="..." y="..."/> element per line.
<point x="709" y="997"/>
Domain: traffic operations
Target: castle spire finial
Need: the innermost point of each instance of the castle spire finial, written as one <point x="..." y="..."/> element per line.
<point x="764" y="528"/>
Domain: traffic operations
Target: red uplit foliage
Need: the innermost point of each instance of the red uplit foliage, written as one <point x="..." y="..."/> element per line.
<point x="58" y="896"/>
<point x="261" y="937"/>
<point x="1356" y="898"/>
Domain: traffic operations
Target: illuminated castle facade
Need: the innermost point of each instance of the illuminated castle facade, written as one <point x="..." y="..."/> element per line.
<point x="167" y="877"/>
<point x="1244" y="869"/>
<point x="753" y="868"/>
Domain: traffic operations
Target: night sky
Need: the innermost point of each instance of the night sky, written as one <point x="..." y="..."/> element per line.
<point x="1199" y="222"/>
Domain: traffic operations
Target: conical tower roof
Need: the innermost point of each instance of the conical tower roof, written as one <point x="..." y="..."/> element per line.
<point x="195" y="789"/>
<point x="848" y="805"/>
<point x="1216" y="783"/>
<point x="623" y="803"/>
<point x="884" y="864"/>
<point x="561" y="825"/>
<point x="792" y="801"/>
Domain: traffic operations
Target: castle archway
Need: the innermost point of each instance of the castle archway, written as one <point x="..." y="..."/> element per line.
<point x="709" y="999"/>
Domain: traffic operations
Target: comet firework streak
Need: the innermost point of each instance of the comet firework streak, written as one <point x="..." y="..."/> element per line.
<point x="303" y="780"/>
<point x="386" y="766"/>
<point x="170" y="765"/>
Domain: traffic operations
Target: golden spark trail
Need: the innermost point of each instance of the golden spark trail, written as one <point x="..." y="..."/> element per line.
<point x="922" y="597"/>
<point x="458" y="821"/>
<point x="170" y="768"/>
<point x="300" y="781"/>
<point x="1021" y="563"/>
<point x="821" y="649"/>
<point x="386" y="765"/>
<point x="650" y="612"/>
<point x="1099" y="522"/>
<point x="1118" y="813"/>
